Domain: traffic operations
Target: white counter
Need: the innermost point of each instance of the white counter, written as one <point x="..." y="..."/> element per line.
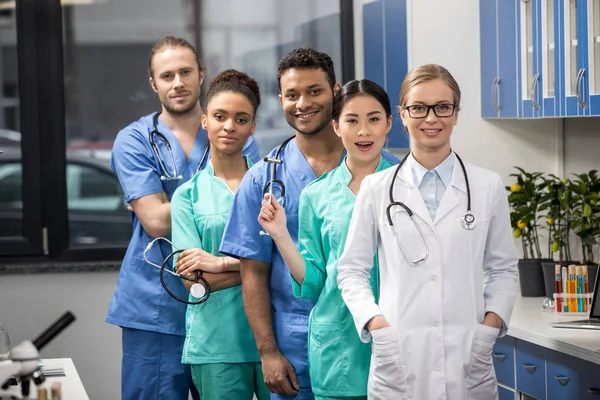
<point x="72" y="388"/>
<point x="531" y="324"/>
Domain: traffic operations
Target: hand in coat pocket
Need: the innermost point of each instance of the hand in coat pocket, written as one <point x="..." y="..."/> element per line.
<point x="480" y="376"/>
<point x="387" y="379"/>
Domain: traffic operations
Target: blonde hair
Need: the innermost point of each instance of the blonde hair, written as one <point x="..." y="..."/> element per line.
<point x="172" y="42"/>
<point x="426" y="73"/>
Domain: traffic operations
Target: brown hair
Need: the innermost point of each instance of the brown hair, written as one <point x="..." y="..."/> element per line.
<point x="172" y="42"/>
<point x="426" y="73"/>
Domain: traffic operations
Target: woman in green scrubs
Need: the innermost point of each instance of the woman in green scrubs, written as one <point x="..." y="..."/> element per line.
<point x="338" y="360"/>
<point x="219" y="344"/>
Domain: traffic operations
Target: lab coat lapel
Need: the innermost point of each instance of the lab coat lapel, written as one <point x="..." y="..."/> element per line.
<point x="451" y="194"/>
<point x="414" y="199"/>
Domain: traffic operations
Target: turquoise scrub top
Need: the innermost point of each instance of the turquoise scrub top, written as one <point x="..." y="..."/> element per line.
<point x="217" y="330"/>
<point x="338" y="360"/>
<point x="139" y="300"/>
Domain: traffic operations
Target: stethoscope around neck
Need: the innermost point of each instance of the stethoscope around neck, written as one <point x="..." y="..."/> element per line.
<point x="165" y="174"/>
<point x="468" y="221"/>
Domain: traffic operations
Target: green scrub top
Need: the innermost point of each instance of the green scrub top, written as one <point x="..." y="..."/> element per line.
<point x="217" y="330"/>
<point x="338" y="360"/>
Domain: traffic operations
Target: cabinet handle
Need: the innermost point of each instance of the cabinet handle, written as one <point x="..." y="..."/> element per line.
<point x="498" y="94"/>
<point x="563" y="380"/>
<point x="493" y="94"/>
<point x="594" y="390"/>
<point x="577" y="87"/>
<point x="582" y="102"/>
<point x="534" y="87"/>
<point x="529" y="367"/>
<point x="500" y="356"/>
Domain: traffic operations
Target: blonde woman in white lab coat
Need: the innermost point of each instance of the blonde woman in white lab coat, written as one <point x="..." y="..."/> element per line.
<point x="438" y="318"/>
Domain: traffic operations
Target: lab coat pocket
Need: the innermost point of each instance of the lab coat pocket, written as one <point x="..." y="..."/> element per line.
<point x="480" y="375"/>
<point x="328" y="364"/>
<point x="387" y="375"/>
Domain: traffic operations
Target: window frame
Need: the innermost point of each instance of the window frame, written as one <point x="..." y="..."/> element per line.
<point x="43" y="154"/>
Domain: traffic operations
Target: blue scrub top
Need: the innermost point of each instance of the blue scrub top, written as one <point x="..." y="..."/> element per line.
<point x="242" y="240"/>
<point x="139" y="300"/>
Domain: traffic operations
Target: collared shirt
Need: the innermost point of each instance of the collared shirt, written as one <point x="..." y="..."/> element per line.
<point x="432" y="184"/>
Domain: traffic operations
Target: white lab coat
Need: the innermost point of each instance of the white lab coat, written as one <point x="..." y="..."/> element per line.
<point x="435" y="348"/>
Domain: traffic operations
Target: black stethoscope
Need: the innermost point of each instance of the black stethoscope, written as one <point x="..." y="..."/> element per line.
<point x="268" y="188"/>
<point x="165" y="176"/>
<point x="468" y="221"/>
<point x="200" y="289"/>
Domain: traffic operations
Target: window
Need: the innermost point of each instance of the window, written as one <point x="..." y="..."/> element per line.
<point x="58" y="126"/>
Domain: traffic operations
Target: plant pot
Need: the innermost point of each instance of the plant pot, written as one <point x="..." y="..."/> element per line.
<point x="549" y="272"/>
<point x="531" y="278"/>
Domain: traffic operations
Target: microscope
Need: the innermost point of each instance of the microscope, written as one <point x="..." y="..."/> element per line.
<point x="23" y="364"/>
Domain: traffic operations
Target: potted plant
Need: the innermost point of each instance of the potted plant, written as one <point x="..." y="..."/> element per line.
<point x="556" y="203"/>
<point x="525" y="202"/>
<point x="585" y="221"/>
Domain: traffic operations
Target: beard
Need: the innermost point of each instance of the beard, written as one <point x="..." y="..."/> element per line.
<point x="183" y="110"/>
<point x="322" y="123"/>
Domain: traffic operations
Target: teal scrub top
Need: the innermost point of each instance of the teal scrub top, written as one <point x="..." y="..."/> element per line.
<point x="217" y="330"/>
<point x="338" y="360"/>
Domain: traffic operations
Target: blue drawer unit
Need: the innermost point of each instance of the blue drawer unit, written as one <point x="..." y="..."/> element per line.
<point x="505" y="394"/>
<point x="531" y="369"/>
<point x="564" y="381"/>
<point x="570" y="378"/>
<point x="504" y="361"/>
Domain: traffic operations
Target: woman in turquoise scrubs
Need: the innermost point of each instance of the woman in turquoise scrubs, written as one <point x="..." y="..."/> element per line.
<point x="219" y="344"/>
<point x="338" y="360"/>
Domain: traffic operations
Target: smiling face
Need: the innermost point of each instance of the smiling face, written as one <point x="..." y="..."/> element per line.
<point x="363" y="127"/>
<point x="431" y="133"/>
<point x="176" y="79"/>
<point x="306" y="98"/>
<point x="229" y="121"/>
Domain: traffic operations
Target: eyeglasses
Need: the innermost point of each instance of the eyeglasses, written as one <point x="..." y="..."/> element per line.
<point x="422" y="110"/>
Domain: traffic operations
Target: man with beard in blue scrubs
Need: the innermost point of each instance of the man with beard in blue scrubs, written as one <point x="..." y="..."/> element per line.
<point x="279" y="320"/>
<point x="152" y="322"/>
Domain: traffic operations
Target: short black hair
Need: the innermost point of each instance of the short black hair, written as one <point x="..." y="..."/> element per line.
<point x="357" y="88"/>
<point x="307" y="57"/>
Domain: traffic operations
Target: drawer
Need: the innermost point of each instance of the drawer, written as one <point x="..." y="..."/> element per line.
<point x="505" y="394"/>
<point x="564" y="381"/>
<point x="570" y="378"/>
<point x="504" y="361"/>
<point x="531" y="369"/>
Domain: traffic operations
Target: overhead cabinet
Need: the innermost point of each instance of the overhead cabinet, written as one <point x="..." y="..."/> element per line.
<point x="547" y="52"/>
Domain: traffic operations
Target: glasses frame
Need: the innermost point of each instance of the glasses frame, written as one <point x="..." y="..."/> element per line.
<point x="429" y="108"/>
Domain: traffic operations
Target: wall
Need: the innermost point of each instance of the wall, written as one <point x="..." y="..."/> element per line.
<point x="30" y="303"/>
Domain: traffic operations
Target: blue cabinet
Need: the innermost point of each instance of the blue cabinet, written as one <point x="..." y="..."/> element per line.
<point x="531" y="369"/>
<point x="386" y="55"/>
<point x="540" y="58"/>
<point x="499" y="58"/>
<point x="505" y="394"/>
<point x="504" y="361"/>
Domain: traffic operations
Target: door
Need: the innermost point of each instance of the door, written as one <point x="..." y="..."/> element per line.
<point x="489" y="58"/>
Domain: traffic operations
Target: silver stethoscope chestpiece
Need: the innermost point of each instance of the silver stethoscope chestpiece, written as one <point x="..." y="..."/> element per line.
<point x="197" y="290"/>
<point x="468" y="221"/>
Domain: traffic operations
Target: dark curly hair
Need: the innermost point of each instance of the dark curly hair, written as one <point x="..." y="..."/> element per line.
<point x="307" y="57"/>
<point x="232" y="80"/>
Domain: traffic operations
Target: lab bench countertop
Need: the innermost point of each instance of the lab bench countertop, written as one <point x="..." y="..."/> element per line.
<point x="71" y="386"/>
<point x="531" y="324"/>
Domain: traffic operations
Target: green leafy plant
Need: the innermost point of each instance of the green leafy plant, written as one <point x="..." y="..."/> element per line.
<point x="525" y="202"/>
<point x="585" y="221"/>
<point x="556" y="201"/>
